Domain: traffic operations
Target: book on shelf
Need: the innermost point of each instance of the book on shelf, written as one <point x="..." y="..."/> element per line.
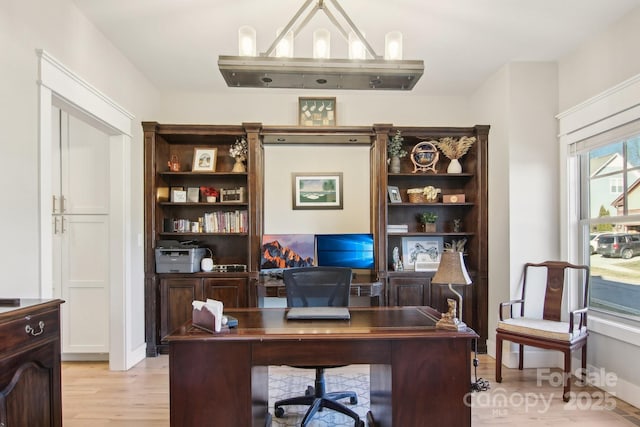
<point x="397" y="228"/>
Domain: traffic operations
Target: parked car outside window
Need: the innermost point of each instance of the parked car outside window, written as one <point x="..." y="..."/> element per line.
<point x="593" y="243"/>
<point x="623" y="245"/>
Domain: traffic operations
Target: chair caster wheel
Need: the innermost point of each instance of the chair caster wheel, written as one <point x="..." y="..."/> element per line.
<point x="353" y="400"/>
<point x="310" y="391"/>
<point x="370" y="420"/>
<point x="279" y="412"/>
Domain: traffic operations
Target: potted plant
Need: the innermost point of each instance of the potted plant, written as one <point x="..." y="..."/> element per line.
<point x="209" y="194"/>
<point x="396" y="151"/>
<point x="428" y="221"/>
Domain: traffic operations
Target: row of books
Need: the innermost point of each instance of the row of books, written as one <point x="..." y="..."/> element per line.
<point x="226" y="222"/>
<point x="397" y="228"/>
<point x="212" y="222"/>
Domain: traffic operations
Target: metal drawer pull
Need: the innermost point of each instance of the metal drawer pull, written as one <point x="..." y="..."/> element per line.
<point x="31" y="331"/>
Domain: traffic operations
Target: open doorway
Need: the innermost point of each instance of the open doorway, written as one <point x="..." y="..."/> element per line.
<point x="61" y="88"/>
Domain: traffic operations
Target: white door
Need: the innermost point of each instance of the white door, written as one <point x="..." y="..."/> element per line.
<point x="80" y="185"/>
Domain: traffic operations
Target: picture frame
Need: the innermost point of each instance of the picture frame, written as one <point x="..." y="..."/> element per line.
<point x="394" y="194"/>
<point x="427" y="250"/>
<point x="204" y="159"/>
<point x="317" y="190"/>
<point x="314" y="111"/>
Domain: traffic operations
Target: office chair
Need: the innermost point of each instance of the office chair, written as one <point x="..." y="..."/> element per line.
<point x="549" y="332"/>
<point x="319" y="287"/>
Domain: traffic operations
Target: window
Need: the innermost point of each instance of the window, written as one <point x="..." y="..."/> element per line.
<point x="609" y="208"/>
<point x="615" y="185"/>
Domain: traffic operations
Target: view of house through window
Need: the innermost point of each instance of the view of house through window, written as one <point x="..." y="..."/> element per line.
<point x="610" y="210"/>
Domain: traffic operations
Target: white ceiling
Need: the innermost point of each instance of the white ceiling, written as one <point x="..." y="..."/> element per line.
<point x="176" y="43"/>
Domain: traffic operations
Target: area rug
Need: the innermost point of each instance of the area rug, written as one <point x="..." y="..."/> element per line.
<point x="287" y="382"/>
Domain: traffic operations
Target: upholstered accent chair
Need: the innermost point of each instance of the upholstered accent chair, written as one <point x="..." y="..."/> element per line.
<point x="550" y="331"/>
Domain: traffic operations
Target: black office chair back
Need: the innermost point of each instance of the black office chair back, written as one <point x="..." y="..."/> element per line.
<point x="317" y="286"/>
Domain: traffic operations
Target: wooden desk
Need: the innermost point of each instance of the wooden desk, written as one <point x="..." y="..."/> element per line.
<point x="419" y="375"/>
<point x="30" y="385"/>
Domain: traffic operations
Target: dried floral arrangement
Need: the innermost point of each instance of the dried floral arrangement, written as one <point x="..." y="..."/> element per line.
<point x="455" y="246"/>
<point x="239" y="149"/>
<point x="454" y="149"/>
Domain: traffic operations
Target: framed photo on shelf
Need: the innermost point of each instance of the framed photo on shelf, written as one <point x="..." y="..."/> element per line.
<point x="204" y="159"/>
<point x="394" y="194"/>
<point x="317" y="190"/>
<point x="317" y="111"/>
<point x="427" y="250"/>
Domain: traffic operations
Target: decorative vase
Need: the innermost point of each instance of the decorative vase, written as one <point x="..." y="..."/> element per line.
<point x="394" y="165"/>
<point x="238" y="166"/>
<point x="454" y="166"/>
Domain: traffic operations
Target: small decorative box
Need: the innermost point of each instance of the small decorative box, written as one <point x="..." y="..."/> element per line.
<point x="453" y="198"/>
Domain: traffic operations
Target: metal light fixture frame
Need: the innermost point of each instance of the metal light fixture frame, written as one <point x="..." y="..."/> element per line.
<point x="267" y="71"/>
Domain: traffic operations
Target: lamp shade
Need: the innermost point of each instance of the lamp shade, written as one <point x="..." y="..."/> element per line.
<point x="451" y="270"/>
<point x="393" y="46"/>
<point x="246" y="41"/>
<point x="321" y="44"/>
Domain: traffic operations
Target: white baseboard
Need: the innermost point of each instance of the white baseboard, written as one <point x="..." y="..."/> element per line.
<point x="84" y="357"/>
<point x="533" y="357"/>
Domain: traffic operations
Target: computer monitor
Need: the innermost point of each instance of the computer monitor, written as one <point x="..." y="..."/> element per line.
<point x="345" y="250"/>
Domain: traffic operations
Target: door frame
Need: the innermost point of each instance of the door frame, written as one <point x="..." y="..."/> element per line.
<point x="61" y="87"/>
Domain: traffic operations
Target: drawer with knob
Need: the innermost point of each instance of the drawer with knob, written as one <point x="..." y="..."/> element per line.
<point x="30" y="329"/>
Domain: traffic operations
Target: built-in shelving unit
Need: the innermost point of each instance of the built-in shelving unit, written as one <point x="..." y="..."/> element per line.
<point x="169" y="295"/>
<point x="415" y="288"/>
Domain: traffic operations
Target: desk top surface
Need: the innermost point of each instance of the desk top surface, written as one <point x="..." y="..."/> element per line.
<point x="25" y="305"/>
<point x="263" y="324"/>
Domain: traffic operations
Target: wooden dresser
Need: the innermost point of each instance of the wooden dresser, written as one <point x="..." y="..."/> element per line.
<point x="30" y="388"/>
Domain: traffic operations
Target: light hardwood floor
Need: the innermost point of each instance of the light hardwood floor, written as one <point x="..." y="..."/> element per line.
<point x="94" y="396"/>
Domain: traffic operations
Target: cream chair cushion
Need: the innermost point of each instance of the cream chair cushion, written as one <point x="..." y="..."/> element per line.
<point x="542" y="328"/>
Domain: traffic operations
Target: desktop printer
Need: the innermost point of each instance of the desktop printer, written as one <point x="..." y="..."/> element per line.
<point x="177" y="257"/>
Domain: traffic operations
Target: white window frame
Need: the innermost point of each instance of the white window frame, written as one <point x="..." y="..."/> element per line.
<point x="612" y="114"/>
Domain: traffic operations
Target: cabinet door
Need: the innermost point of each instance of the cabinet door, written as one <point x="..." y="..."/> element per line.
<point x="29" y="395"/>
<point x="84" y="283"/>
<point x="231" y="291"/>
<point x="176" y="296"/>
<point x="84" y="167"/>
<point x="409" y="290"/>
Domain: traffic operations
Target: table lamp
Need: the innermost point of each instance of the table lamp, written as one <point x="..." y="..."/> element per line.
<point x="452" y="271"/>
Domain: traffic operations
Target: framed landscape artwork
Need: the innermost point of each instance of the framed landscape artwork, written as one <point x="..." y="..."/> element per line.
<point x="317" y="190"/>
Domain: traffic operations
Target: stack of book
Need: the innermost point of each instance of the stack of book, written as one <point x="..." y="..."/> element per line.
<point x="397" y="228"/>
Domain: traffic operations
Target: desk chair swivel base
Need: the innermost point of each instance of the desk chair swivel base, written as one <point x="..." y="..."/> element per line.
<point x="317" y="399"/>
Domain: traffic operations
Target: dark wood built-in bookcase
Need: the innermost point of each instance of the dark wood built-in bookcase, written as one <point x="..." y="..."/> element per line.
<point x="169" y="295"/>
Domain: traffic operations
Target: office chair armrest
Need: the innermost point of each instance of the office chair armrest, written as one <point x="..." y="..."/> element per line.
<point x="582" y="312"/>
<point x="509" y="304"/>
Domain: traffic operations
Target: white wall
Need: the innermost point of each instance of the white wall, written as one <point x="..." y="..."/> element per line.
<point x="59" y="28"/>
<point x="519" y="101"/>
<point x="279" y="107"/>
<point x="608" y="59"/>
<point x="281" y="161"/>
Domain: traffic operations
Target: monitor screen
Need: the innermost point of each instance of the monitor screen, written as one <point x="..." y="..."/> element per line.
<point x="280" y="251"/>
<point x="345" y="250"/>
